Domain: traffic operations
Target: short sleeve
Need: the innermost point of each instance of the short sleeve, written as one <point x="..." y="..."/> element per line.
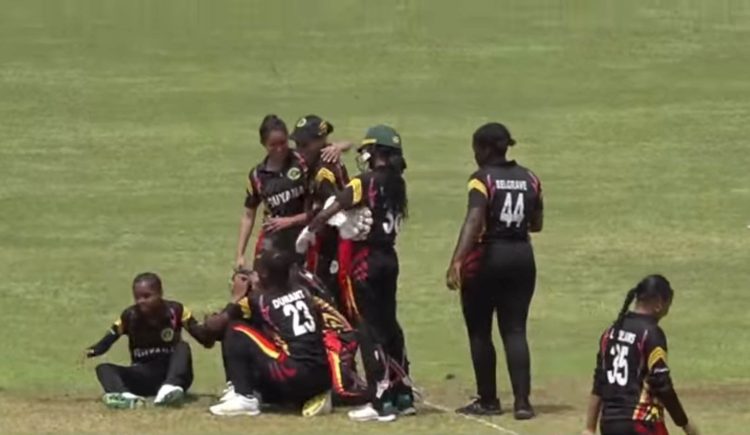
<point x="252" y="194"/>
<point x="478" y="194"/>
<point x="599" y="376"/>
<point x="351" y="196"/>
<point x="536" y="184"/>
<point x="121" y="325"/>
<point x="187" y="314"/>
<point x="655" y="350"/>
<point x="324" y="183"/>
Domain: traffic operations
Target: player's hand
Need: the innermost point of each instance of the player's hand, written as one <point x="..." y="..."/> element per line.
<point x="690" y="429"/>
<point x="277" y="224"/>
<point x="88" y="353"/>
<point x="239" y="262"/>
<point x="453" y="276"/>
<point x="304" y="241"/>
<point x="331" y="153"/>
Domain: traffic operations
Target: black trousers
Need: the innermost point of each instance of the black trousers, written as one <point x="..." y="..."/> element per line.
<point x="374" y="277"/>
<point x="145" y="379"/>
<point x="499" y="279"/>
<point x="624" y="427"/>
<point x="254" y="363"/>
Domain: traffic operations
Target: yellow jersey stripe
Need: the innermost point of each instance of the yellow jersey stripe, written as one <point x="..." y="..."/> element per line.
<point x="260" y="341"/>
<point x="186" y="315"/>
<point x="118" y="325"/>
<point x="479" y="186"/>
<point x="323" y="175"/>
<point x="356" y="185"/>
<point x="656" y="355"/>
<point x="245" y="307"/>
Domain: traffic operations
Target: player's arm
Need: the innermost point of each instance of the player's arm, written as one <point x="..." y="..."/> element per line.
<point x="247" y="221"/>
<point x="660" y="380"/>
<point x="216" y="323"/>
<point x="595" y="398"/>
<point x="332" y="152"/>
<point x="201" y="333"/>
<point x="348" y="198"/>
<point x="110" y="337"/>
<point x="470" y="231"/>
<point x="536" y="220"/>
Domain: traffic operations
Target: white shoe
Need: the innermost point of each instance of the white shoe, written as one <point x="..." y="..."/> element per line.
<point x="369" y="413"/>
<point x="228" y="392"/>
<point x="238" y="405"/>
<point x="169" y="395"/>
<point x="229" y="395"/>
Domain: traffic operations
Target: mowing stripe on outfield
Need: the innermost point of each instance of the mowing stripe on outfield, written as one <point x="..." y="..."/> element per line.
<point x="472" y="418"/>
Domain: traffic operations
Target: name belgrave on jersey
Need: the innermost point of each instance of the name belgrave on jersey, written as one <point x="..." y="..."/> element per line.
<point x="511" y="185"/>
<point x="288" y="299"/>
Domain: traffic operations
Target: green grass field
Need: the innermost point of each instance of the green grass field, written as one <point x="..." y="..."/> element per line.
<point x="127" y="128"/>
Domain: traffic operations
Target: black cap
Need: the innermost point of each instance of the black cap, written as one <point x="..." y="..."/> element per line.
<point x="311" y="127"/>
<point x="494" y="134"/>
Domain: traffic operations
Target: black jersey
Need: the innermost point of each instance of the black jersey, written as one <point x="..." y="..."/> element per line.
<point x="630" y="365"/>
<point x="292" y="319"/>
<point x="327" y="180"/>
<point x="369" y="189"/>
<point x="510" y="195"/>
<point x="281" y="192"/>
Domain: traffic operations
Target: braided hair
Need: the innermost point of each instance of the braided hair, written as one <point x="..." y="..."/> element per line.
<point x="395" y="185"/>
<point x="650" y="288"/>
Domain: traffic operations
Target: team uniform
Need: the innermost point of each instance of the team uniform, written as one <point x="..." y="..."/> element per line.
<point x="329" y="252"/>
<point x="370" y="291"/>
<point x="158" y="354"/>
<point x="499" y="274"/>
<point x="631" y="369"/>
<point x="276" y="348"/>
<point x="283" y="193"/>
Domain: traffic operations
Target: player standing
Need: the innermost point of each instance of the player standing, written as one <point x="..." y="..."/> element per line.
<point x="280" y="183"/>
<point x="493" y="265"/>
<point x="326" y="179"/>
<point x="375" y="270"/>
<point x="632" y="385"/>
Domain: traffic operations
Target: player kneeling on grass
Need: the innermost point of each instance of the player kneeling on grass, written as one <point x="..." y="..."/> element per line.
<point x="161" y="361"/>
<point x="276" y="351"/>
<point x="632" y="385"/>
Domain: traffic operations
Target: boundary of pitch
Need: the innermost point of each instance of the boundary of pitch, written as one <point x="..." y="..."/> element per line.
<point x="471" y="418"/>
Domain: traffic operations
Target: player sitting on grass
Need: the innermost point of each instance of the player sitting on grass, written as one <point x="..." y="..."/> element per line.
<point x="161" y="361"/>
<point x="632" y="385"/>
<point x="276" y="350"/>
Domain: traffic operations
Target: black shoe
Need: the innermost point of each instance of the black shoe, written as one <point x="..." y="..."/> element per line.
<point x="481" y="407"/>
<point x="523" y="411"/>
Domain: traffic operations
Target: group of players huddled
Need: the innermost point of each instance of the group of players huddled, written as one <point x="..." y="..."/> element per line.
<point x="323" y="286"/>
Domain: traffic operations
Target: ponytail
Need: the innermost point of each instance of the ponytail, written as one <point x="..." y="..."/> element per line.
<point x="395" y="185"/>
<point x="652" y="287"/>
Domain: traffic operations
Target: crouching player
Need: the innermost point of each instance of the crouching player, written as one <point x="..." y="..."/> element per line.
<point x="161" y="361"/>
<point x="632" y="385"/>
<point x="276" y="351"/>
